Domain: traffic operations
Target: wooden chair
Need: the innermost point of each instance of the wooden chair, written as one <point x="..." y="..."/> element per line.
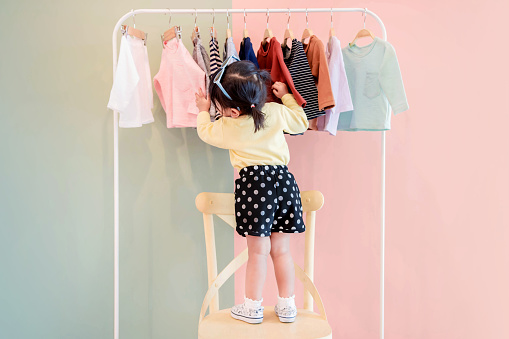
<point x="218" y="323"/>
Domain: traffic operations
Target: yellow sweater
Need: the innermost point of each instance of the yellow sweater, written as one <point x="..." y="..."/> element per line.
<point x="267" y="146"/>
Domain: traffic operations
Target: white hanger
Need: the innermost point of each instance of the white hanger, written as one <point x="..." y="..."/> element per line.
<point x="331" y="30"/>
<point x="245" y="34"/>
<point x="228" y="31"/>
<point x="213" y="32"/>
<point x="307" y="32"/>
<point x="132" y="31"/>
<point x="363" y="32"/>
<point x="288" y="31"/>
<point x="196" y="30"/>
<point x="173" y="32"/>
<point x="268" y="32"/>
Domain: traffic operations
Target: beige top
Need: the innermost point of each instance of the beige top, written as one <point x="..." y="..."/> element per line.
<point x="265" y="147"/>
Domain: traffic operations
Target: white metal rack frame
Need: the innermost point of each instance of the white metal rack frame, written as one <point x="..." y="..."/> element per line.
<point x="115" y="135"/>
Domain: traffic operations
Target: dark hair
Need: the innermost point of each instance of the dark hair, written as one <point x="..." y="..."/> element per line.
<point x="247" y="85"/>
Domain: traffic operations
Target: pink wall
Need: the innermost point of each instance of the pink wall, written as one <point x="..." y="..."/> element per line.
<point x="447" y="180"/>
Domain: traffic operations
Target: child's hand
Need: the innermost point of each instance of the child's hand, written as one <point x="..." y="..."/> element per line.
<point x="279" y="89"/>
<point x="202" y="102"/>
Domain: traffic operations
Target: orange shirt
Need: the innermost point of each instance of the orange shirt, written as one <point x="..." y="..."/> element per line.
<point x="315" y="53"/>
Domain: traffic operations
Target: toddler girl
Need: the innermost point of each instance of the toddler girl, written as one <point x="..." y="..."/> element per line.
<point x="267" y="199"/>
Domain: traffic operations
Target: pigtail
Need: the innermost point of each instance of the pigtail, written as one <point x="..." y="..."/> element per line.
<point x="258" y="118"/>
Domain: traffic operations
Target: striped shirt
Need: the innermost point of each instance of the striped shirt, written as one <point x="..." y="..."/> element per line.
<point x="298" y="65"/>
<point x="215" y="64"/>
<point x="215" y="59"/>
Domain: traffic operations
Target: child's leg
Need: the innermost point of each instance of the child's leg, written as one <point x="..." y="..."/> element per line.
<point x="283" y="263"/>
<point x="256" y="270"/>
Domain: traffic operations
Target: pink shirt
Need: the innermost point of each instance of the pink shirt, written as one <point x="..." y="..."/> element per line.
<point x="176" y="83"/>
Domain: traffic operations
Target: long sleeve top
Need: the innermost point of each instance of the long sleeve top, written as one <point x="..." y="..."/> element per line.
<point x="315" y="52"/>
<point x="268" y="145"/>
<point x="270" y="58"/>
<point x="375" y="80"/>
<point x="246" y="51"/>
<point x="229" y="49"/>
<point x="131" y="94"/>
<point x="298" y="65"/>
<point x="340" y="89"/>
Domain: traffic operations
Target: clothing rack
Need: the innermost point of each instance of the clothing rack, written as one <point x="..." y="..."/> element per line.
<point x="115" y="134"/>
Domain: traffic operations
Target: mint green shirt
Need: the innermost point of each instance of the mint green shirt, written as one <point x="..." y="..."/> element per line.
<point x="374" y="79"/>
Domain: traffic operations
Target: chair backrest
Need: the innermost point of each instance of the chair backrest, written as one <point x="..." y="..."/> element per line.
<point x="223" y="205"/>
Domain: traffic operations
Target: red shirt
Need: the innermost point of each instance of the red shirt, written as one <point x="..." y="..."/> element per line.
<point x="270" y="58"/>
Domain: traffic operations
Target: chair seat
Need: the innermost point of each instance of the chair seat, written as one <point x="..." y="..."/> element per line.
<point x="221" y="325"/>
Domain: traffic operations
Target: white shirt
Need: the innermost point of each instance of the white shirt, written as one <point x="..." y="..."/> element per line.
<point x="339" y="85"/>
<point x="131" y="93"/>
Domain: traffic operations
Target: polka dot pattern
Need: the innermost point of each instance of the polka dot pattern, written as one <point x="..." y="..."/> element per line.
<point x="267" y="199"/>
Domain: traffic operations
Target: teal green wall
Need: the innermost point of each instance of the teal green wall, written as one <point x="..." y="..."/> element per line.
<point x="56" y="183"/>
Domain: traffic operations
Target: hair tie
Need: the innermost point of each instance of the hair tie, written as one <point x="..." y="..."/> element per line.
<point x="252" y="105"/>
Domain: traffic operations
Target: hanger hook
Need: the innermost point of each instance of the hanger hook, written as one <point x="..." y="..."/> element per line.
<point x="331" y="23"/>
<point x="288" y="23"/>
<point x="365" y="9"/>
<point x="134" y="22"/>
<point x="306" y="17"/>
<point x="228" y="18"/>
<point x="169" y="21"/>
<point x="244" y="18"/>
<point x="195" y="16"/>
<point x="213" y="17"/>
<point x="267" y="18"/>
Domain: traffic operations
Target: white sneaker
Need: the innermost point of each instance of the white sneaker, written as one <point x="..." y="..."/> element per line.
<point x="286" y="314"/>
<point x="245" y="313"/>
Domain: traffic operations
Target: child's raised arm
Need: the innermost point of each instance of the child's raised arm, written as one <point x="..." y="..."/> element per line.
<point x="293" y="115"/>
<point x="210" y="132"/>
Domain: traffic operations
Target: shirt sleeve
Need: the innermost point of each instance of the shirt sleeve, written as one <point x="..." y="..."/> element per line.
<point x="295" y="120"/>
<point x="320" y="71"/>
<point x="252" y="56"/>
<point x="210" y="132"/>
<point x="125" y="81"/>
<point x="344" y="97"/>
<point x="391" y="81"/>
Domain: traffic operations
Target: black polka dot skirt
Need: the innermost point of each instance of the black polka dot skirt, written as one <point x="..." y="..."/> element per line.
<point x="267" y="200"/>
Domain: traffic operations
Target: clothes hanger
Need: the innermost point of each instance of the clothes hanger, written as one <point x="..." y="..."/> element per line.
<point x="268" y="32"/>
<point x="173" y="32"/>
<point x="245" y="34"/>
<point x="331" y="30"/>
<point x="228" y="31"/>
<point x="307" y="32"/>
<point x="213" y="32"/>
<point x="363" y="32"/>
<point x="196" y="29"/>
<point x="132" y="31"/>
<point x="288" y="31"/>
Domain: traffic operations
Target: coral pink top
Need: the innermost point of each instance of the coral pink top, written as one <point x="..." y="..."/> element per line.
<point x="270" y="58"/>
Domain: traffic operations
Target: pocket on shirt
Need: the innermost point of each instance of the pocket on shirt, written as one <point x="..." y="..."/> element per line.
<point x="189" y="94"/>
<point x="372" y="85"/>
